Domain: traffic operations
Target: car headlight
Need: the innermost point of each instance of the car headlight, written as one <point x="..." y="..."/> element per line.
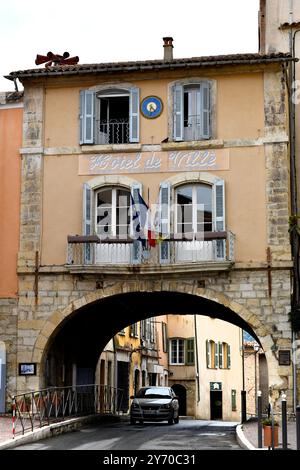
<point x="134" y="405"/>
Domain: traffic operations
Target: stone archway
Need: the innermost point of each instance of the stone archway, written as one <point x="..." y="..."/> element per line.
<point x="191" y="288"/>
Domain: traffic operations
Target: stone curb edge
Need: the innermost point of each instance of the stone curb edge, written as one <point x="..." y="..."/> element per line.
<point x="242" y="440"/>
<point x="50" y="431"/>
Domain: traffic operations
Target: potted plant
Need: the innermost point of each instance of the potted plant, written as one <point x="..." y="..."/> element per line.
<point x="267" y="425"/>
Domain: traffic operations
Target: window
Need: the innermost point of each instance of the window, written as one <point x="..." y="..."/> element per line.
<point x="148" y="330"/>
<point x="112" y="212"/>
<point x="109" y="116"/>
<point x="217" y="355"/>
<point x="212" y="360"/>
<point x="194" y="211"/>
<point x="133" y="330"/>
<point x="177" y="351"/>
<point x="192" y="111"/>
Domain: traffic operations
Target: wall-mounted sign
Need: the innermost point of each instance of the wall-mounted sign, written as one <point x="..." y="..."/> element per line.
<point x="154" y="162"/>
<point x="26" y="368"/>
<point x="284" y="357"/>
<point x="215" y="386"/>
<point x="151" y="107"/>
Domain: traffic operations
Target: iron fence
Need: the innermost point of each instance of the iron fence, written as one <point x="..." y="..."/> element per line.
<point x="40" y="408"/>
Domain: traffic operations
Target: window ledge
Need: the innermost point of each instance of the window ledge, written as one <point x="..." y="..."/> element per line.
<point x="193" y="144"/>
<point x="111" y="148"/>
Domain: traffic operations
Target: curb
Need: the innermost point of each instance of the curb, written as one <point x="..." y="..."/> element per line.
<point x="53" y="430"/>
<point x="243" y="441"/>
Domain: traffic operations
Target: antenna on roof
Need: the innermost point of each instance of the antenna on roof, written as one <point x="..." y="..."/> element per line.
<point x="56" y="59"/>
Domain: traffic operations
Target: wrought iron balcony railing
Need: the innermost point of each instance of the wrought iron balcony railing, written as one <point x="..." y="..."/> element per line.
<point x="211" y="247"/>
<point x="114" y="131"/>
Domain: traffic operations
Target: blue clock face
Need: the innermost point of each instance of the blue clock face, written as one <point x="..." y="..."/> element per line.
<point x="151" y="107"/>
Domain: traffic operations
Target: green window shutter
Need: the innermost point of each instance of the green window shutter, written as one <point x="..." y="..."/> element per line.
<point x="216" y="355"/>
<point x="164" y="336"/>
<point x="190" y="351"/>
<point x="228" y="357"/>
<point x="220" y="355"/>
<point x="208" y="354"/>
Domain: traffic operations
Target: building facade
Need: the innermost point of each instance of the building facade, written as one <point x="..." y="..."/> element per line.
<point x="206" y="141"/>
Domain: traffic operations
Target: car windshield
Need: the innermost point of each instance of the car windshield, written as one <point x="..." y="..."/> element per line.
<point x="153" y="393"/>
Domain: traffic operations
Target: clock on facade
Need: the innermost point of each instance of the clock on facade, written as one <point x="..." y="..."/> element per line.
<point x="151" y="107"/>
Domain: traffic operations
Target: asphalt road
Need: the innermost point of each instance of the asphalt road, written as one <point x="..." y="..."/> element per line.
<point x="187" y="435"/>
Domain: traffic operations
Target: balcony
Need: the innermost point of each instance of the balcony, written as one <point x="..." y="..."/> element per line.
<point x="114" y="131"/>
<point x="214" y="251"/>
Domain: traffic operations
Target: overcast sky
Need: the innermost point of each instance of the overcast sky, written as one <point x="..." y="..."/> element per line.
<point x="120" y="30"/>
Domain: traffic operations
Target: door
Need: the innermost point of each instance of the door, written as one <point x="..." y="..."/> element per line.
<point x="123" y="385"/>
<point x="216" y="405"/>
<point x="180" y="392"/>
<point x="192" y="109"/>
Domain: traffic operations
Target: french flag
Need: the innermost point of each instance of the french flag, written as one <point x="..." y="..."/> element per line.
<point x="142" y="221"/>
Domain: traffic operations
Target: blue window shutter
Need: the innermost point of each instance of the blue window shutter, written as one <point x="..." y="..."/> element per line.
<point x="81" y="114"/>
<point x="205" y="106"/>
<point x="87" y="112"/>
<point x="87" y="221"/>
<point x="134" y="115"/>
<point x="178" y="112"/>
<point x="164" y="203"/>
<point x="220" y="217"/>
<point x="136" y="188"/>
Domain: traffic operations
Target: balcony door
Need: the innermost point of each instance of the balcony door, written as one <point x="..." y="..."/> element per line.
<point x="113" y="221"/>
<point x="193" y="217"/>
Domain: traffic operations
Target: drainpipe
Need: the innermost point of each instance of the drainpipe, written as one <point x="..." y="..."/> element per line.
<point x="197" y="359"/>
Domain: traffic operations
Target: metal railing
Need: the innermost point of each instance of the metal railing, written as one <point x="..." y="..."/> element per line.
<point x="114" y="131"/>
<point x="208" y="247"/>
<point x="40" y="408"/>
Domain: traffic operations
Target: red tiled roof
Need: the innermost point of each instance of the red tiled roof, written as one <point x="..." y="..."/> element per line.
<point x="150" y="65"/>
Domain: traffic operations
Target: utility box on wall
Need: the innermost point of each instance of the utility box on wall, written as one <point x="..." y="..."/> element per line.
<point x="2" y="376"/>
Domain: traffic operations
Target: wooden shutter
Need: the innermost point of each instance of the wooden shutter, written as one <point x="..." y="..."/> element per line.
<point x="220" y="355"/>
<point x="228" y="357"/>
<point x="134" y="115"/>
<point x="216" y="355"/>
<point x="190" y="351"/>
<point x="87" y="221"/>
<point x="164" y="204"/>
<point x="136" y="188"/>
<point x="208" y="354"/>
<point x="219" y="190"/>
<point x="87" y="111"/>
<point x="205" y="110"/>
<point x="178" y="112"/>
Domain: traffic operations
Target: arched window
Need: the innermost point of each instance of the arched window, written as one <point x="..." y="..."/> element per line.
<point x="194" y="209"/>
<point x="112" y="212"/>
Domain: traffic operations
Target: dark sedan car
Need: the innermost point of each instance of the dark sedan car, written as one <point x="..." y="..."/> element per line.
<point x="154" y="404"/>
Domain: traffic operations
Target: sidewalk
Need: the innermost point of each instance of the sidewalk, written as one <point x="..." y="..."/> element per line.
<point x="5" y="428"/>
<point x="250" y="432"/>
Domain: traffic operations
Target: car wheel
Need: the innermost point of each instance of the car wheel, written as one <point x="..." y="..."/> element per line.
<point x="132" y="421"/>
<point x="141" y="421"/>
<point x="176" y="420"/>
<point x="171" y="420"/>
